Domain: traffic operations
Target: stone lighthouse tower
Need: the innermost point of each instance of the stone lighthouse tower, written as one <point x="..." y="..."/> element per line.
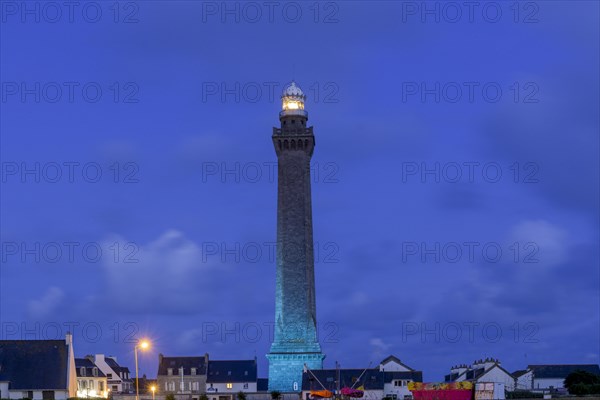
<point x="295" y="341"/>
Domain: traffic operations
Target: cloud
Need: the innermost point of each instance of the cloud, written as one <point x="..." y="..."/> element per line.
<point x="167" y="275"/>
<point x="548" y="238"/>
<point x="44" y="307"/>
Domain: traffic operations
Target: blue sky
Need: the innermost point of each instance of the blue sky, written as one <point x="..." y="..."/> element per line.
<point x="146" y="130"/>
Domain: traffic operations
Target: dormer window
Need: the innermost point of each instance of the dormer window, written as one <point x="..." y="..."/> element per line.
<point x="82" y="371"/>
<point x="193" y="371"/>
<point x="169" y="371"/>
<point x="95" y="371"/>
<point x="229" y="373"/>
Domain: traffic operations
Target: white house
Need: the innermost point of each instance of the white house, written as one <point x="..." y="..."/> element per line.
<point x="118" y="379"/>
<point x="91" y="381"/>
<point x="482" y="371"/>
<point x="38" y="369"/>
<point x="228" y="377"/>
<point x="541" y="378"/>
<point x="396" y="377"/>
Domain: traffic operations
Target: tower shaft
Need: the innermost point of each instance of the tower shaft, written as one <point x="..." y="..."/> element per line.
<point x="295" y="341"/>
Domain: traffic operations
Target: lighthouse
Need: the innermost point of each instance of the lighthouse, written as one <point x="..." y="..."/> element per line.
<point x="295" y="341"/>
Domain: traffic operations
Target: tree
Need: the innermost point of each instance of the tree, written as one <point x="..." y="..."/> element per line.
<point x="203" y="396"/>
<point x="275" y="395"/>
<point x="581" y="377"/>
<point x="170" y="396"/>
<point x="241" y="395"/>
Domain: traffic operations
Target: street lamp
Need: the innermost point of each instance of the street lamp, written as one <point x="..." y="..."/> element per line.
<point x="144" y="345"/>
<point x="153" y="388"/>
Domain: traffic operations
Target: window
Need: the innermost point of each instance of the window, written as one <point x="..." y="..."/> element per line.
<point x="48" y="395"/>
<point x="169" y="371"/>
<point x="84" y="384"/>
<point x="295" y="385"/>
<point x="91" y="384"/>
<point x="109" y="376"/>
<point x="229" y="373"/>
<point x="246" y="373"/>
<point x="193" y="371"/>
<point x="230" y="386"/>
<point x="101" y="386"/>
<point x="245" y="386"/>
<point x="95" y="371"/>
<point x="115" y="388"/>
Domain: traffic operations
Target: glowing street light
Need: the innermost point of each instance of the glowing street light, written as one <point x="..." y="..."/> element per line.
<point x="144" y="345"/>
<point x="153" y="388"/>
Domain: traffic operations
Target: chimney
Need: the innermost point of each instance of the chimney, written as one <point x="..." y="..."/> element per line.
<point x="160" y="358"/>
<point x="69" y="339"/>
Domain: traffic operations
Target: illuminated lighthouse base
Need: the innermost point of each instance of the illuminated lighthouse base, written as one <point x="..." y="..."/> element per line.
<point x="285" y="369"/>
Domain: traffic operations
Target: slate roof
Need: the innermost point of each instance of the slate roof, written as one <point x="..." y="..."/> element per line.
<point x="115" y="365"/>
<point x="372" y="379"/>
<point x="230" y="371"/>
<point x="561" y="371"/>
<point x="451" y="377"/>
<point x="89" y="368"/>
<point x="186" y="362"/>
<point x="415" y="376"/>
<point x="396" y="360"/>
<point x="520" y="372"/>
<point x="262" y="385"/>
<point x="34" y="364"/>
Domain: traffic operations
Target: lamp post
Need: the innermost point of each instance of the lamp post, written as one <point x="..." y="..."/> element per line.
<point x="144" y="345"/>
<point x="153" y="388"/>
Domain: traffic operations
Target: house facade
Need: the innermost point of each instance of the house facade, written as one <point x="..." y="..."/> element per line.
<point x="117" y="377"/>
<point x="228" y="377"/>
<point x="396" y="377"/>
<point x="38" y="369"/>
<point x="550" y="377"/>
<point x="91" y="381"/>
<point x="184" y="376"/>
<point x="482" y="371"/>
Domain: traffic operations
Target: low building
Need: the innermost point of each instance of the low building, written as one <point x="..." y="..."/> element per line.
<point x="182" y="376"/>
<point x="482" y="371"/>
<point x="389" y="380"/>
<point x="543" y="378"/>
<point x="91" y="381"/>
<point x="37" y="369"/>
<point x="118" y="377"/>
<point x="228" y="377"/>
<point x="396" y="377"/>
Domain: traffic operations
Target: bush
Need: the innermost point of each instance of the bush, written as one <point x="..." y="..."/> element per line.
<point x="170" y="396"/>
<point x="581" y="389"/>
<point x="275" y="395"/>
<point x="523" y="394"/>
